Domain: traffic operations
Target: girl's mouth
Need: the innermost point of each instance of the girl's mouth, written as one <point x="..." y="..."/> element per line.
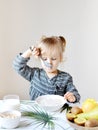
<point x="48" y="65"/>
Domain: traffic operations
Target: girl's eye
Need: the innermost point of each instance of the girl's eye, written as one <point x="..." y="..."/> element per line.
<point x="44" y="58"/>
<point x="53" y="58"/>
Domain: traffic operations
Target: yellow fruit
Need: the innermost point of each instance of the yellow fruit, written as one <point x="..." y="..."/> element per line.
<point x="80" y="121"/>
<point x="88" y="105"/>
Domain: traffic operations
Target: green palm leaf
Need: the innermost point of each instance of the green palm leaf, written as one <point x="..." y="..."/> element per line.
<point x="40" y="116"/>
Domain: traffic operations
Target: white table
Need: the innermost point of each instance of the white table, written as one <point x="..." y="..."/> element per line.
<point x="61" y="120"/>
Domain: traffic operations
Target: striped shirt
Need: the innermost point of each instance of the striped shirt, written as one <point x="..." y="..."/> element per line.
<point x="41" y="84"/>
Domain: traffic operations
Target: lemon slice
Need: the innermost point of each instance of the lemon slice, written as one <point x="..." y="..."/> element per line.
<point x="80" y="121"/>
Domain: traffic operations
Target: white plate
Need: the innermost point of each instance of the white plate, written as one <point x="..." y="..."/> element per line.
<point x="51" y="102"/>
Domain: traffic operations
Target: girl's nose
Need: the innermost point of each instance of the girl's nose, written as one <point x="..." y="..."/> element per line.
<point x="49" y="60"/>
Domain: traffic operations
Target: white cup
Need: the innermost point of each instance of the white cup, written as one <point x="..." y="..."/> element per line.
<point x="11" y="102"/>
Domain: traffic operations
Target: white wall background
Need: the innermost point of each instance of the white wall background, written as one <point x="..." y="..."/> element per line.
<point x="23" y="22"/>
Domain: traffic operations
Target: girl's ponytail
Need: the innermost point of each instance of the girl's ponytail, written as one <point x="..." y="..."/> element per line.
<point x="63" y="42"/>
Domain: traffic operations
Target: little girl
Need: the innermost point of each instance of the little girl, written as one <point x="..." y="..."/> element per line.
<point x="48" y="79"/>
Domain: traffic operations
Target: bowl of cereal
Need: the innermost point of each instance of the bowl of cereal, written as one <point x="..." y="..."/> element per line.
<point x="51" y="102"/>
<point x="10" y="119"/>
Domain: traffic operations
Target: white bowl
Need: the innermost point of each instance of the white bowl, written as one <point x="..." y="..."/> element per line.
<point x="51" y="102"/>
<point x="10" y="119"/>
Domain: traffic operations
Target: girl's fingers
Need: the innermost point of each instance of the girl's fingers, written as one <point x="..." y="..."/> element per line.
<point x="67" y="94"/>
<point x="70" y="97"/>
<point x="36" y="52"/>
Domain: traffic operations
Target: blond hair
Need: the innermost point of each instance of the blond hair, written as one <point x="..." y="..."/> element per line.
<point x="54" y="40"/>
<point x="53" y="43"/>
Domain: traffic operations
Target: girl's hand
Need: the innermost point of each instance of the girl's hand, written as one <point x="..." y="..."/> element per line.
<point x="36" y="52"/>
<point x="70" y="97"/>
<point x="31" y="51"/>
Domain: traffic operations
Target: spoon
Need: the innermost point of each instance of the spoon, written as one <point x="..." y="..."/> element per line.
<point x="46" y="63"/>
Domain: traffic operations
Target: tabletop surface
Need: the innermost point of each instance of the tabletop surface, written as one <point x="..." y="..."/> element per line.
<point x="60" y="123"/>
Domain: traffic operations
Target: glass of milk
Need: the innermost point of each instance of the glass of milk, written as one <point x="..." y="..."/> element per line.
<point x="11" y="102"/>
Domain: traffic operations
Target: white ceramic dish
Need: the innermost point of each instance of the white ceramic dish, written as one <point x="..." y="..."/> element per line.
<point x="51" y="102"/>
<point x="10" y="119"/>
<point x="77" y="127"/>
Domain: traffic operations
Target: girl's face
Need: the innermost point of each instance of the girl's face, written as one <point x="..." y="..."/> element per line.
<point x="50" y="60"/>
